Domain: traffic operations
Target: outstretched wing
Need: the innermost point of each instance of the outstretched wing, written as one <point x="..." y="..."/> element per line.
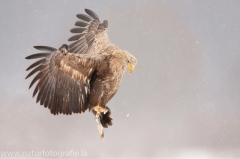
<point x="91" y="34"/>
<point x="63" y="80"/>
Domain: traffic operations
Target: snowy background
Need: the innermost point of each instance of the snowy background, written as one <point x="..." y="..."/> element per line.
<point x="182" y="101"/>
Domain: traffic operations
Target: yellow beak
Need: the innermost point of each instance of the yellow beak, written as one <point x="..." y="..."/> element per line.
<point x="131" y="67"/>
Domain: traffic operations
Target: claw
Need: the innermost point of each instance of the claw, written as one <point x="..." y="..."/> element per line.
<point x="97" y="114"/>
<point x="105" y="111"/>
<point x="100" y="109"/>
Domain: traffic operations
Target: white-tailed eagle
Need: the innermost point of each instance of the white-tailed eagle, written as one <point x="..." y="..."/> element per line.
<point x="84" y="75"/>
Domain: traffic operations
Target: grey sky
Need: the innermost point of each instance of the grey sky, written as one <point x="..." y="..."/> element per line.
<point x="182" y="99"/>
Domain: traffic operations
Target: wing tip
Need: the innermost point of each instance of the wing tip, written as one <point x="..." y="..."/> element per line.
<point x="38" y="47"/>
<point x="88" y="10"/>
<point x="45" y="48"/>
<point x="78" y="30"/>
<point x="35" y="47"/>
<point x="92" y="14"/>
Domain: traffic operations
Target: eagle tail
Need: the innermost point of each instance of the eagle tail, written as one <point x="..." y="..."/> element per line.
<point x="100" y="128"/>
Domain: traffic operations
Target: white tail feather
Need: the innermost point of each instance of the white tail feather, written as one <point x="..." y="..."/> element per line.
<point x="100" y="128"/>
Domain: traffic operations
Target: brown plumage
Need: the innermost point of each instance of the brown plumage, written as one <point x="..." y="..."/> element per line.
<point x="84" y="75"/>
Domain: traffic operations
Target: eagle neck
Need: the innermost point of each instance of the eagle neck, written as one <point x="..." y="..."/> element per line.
<point x="118" y="63"/>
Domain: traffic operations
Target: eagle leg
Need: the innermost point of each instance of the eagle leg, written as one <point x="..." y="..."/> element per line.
<point x="103" y="118"/>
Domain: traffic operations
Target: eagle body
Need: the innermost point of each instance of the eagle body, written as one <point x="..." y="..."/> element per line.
<point x="106" y="81"/>
<point x="83" y="75"/>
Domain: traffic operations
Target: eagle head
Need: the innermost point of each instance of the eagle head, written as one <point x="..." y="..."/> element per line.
<point x="131" y="61"/>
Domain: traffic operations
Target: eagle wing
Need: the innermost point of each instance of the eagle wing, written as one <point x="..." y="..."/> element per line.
<point x="91" y="34"/>
<point x="63" y="80"/>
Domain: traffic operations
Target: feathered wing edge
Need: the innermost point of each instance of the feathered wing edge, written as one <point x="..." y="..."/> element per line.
<point x="87" y="29"/>
<point x="55" y="89"/>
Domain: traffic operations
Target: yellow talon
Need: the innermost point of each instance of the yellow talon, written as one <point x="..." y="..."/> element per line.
<point x="99" y="109"/>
